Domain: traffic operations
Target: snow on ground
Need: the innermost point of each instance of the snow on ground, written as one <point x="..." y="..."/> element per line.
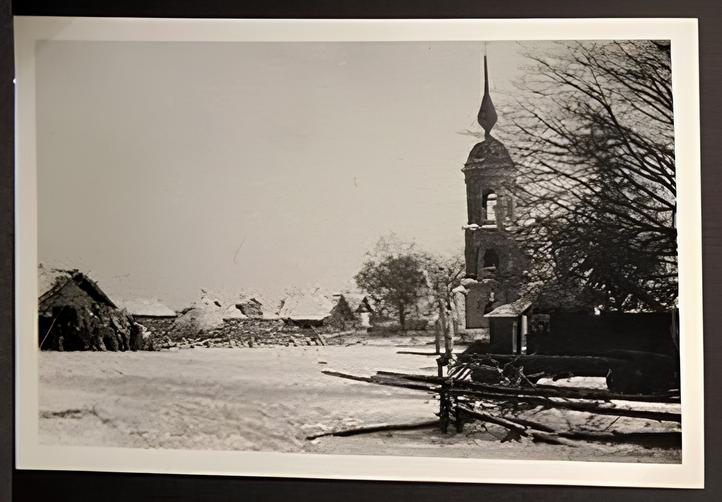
<point x="271" y="398"/>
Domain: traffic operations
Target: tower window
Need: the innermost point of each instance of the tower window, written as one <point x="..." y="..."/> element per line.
<point x="488" y="211"/>
<point x="491" y="259"/>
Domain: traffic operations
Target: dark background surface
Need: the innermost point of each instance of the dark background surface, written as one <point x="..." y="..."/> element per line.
<point x="57" y="486"/>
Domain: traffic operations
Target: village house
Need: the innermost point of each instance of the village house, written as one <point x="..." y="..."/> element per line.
<point x="74" y="313"/>
<point x="205" y="313"/>
<point x="257" y="306"/>
<point x="361" y="306"/>
<point x="150" y="313"/>
<point x="315" y="308"/>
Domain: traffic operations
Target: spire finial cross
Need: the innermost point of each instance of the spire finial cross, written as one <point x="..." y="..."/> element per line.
<point x="487" y="113"/>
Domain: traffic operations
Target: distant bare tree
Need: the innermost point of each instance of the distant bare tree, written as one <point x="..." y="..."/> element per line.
<point x="394" y="274"/>
<point x="443" y="274"/>
<point x="592" y="132"/>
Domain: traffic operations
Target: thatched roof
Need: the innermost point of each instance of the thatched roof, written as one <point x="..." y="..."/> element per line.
<point x="50" y="278"/>
<point x="146" y="307"/>
<point x="52" y="281"/>
<point x="307" y="306"/>
<point x="197" y="320"/>
<point x="255" y="304"/>
<point x="206" y="312"/>
<point x="358" y="302"/>
<point x="213" y="301"/>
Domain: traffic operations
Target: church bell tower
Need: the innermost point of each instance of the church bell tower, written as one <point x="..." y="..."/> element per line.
<point x="494" y="262"/>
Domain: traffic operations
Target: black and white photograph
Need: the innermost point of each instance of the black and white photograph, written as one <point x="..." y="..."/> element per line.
<point x="466" y="249"/>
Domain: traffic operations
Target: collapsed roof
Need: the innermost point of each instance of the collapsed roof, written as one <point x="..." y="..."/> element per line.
<point x="358" y="302"/>
<point x="146" y="307"/>
<point x="307" y="305"/>
<point x="51" y="282"/>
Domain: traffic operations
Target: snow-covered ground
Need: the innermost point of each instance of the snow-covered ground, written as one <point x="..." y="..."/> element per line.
<point x="271" y="398"/>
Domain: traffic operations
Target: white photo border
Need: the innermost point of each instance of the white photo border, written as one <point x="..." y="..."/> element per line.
<point x="30" y="454"/>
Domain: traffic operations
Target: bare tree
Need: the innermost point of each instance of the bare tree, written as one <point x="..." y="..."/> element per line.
<point x="592" y="132"/>
<point x="394" y="274"/>
<point x="443" y="274"/>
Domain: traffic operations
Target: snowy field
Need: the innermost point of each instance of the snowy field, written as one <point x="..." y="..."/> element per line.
<point x="271" y="398"/>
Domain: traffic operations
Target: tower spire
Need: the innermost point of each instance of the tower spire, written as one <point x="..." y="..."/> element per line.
<point x="487" y="114"/>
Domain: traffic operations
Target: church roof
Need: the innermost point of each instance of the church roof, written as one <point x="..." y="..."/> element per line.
<point x="489" y="153"/>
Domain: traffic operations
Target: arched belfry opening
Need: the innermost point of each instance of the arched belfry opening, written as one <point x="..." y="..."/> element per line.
<point x="488" y="208"/>
<point x="490" y="259"/>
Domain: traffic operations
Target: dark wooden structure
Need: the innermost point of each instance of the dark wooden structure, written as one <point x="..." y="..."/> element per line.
<point x="75" y="314"/>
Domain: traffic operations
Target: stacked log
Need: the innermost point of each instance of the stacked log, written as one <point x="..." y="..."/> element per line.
<point x="462" y="400"/>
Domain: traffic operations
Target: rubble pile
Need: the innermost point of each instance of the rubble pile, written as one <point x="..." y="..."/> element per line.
<point x="248" y="332"/>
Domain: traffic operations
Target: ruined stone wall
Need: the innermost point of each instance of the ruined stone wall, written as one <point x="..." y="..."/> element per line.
<point x="156" y="325"/>
<point x="259" y="332"/>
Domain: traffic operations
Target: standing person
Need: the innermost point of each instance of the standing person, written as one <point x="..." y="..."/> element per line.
<point x="449" y="331"/>
<point x="85" y="328"/>
<point x="122" y="329"/>
<point x="136" y="336"/>
<point x="96" y="333"/>
<point x="109" y="336"/>
<point x="70" y="334"/>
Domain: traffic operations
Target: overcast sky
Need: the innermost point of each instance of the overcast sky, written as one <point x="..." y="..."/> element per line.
<point x="167" y="167"/>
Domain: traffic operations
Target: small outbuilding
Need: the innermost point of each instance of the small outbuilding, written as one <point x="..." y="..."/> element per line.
<point x="509" y="327"/>
<point x="528" y="326"/>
